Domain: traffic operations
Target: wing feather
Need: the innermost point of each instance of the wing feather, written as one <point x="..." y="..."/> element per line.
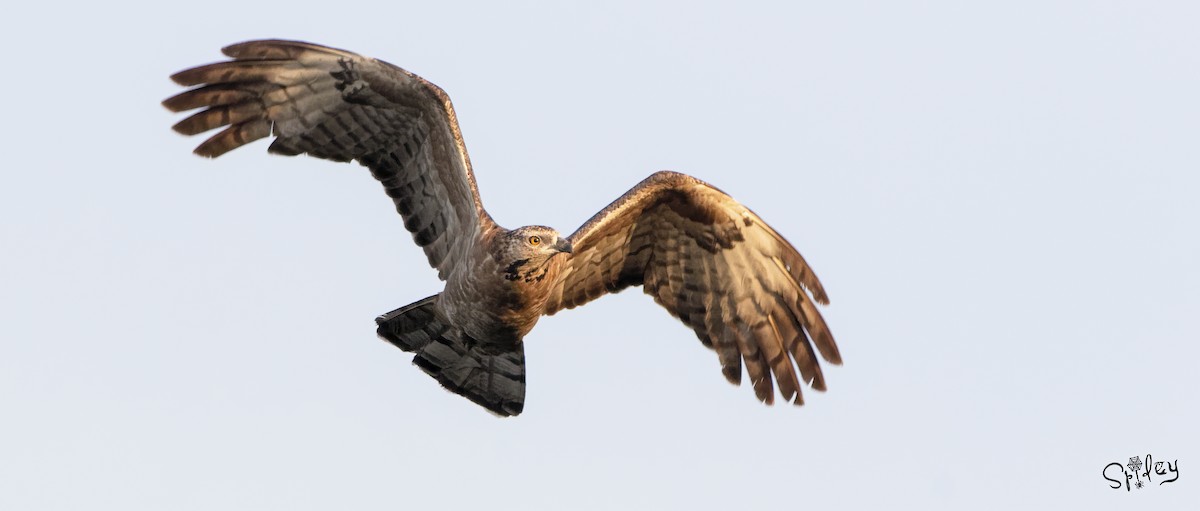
<point x="742" y="288"/>
<point x="719" y="330"/>
<point x="340" y="106"/>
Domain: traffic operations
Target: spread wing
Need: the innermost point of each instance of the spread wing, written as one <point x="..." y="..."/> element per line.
<point x="340" y="106"/>
<point x="714" y="264"/>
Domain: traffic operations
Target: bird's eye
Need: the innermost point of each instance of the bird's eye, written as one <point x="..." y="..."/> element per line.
<point x="535" y="240"/>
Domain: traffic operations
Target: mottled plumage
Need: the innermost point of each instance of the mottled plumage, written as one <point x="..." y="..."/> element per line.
<point x="711" y="262"/>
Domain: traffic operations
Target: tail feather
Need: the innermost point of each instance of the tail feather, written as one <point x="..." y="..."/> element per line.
<point x="491" y="376"/>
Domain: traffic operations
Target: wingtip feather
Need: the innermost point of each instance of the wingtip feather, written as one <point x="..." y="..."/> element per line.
<point x="820" y="297"/>
<point x="268" y="49"/>
<point x="180" y="77"/>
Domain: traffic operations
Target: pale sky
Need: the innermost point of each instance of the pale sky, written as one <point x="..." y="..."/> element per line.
<point x="1000" y="199"/>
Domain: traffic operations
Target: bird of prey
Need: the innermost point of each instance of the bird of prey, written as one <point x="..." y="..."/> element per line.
<point x="711" y="262"/>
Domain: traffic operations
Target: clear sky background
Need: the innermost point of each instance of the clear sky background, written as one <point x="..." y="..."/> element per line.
<point x="1001" y="199"/>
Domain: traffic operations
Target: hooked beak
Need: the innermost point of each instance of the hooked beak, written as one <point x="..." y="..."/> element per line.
<point x="563" y="245"/>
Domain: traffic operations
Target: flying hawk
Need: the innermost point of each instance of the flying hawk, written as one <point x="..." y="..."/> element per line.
<point x="711" y="262"/>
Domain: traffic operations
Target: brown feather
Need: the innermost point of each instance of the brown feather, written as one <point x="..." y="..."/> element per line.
<point x="275" y="72"/>
<point x="716" y="266"/>
<point x="209" y="96"/>
<point x="756" y="365"/>
<point x="234" y="137"/>
<point x="780" y="358"/>
<point x="340" y="106"/>
<point x="221" y="116"/>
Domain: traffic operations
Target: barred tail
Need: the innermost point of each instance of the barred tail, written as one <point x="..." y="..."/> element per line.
<point x="492" y="377"/>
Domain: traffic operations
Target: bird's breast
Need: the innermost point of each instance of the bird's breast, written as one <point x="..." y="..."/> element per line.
<point x="486" y="304"/>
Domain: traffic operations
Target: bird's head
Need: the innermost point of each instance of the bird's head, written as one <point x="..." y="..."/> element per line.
<point x="524" y="252"/>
